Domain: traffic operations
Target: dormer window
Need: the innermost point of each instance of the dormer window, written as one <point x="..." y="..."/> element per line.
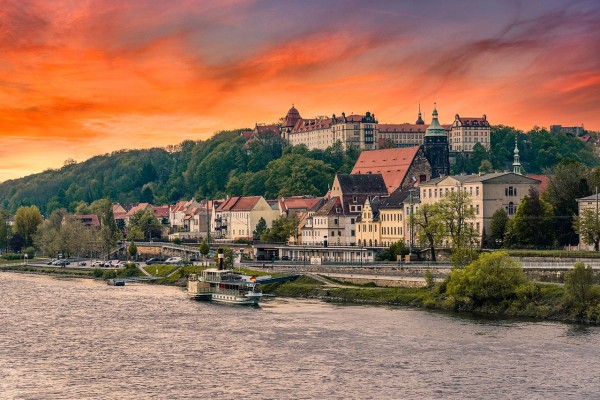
<point x="354" y="199"/>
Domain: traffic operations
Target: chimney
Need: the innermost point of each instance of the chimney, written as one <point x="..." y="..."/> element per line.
<point x="220" y="258"/>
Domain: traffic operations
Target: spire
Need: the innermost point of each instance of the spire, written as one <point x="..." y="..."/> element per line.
<point x="516" y="164"/>
<point x="435" y="129"/>
<point x="420" y="120"/>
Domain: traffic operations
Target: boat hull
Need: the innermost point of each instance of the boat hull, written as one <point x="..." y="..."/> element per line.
<point x="226" y="298"/>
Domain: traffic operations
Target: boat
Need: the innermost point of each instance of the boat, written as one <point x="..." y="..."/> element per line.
<point x="224" y="286"/>
<point x="115" y="282"/>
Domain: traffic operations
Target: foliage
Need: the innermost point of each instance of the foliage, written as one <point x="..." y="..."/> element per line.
<point x="204" y="247"/>
<point x="460" y="258"/>
<point x="498" y="226"/>
<point x="492" y="277"/>
<point x="27" y="220"/>
<point x="587" y="226"/>
<point x="578" y="286"/>
<point x="261" y="228"/>
<point x="456" y="210"/>
<point x="283" y="228"/>
<point x="132" y="249"/>
<point x="228" y="257"/>
<point x="61" y="233"/>
<point x="144" y="224"/>
<point x="429" y="279"/>
<point x="532" y="224"/>
<point x="431" y="228"/>
<point x="398" y="249"/>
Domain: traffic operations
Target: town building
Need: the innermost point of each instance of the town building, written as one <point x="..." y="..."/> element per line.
<point x="237" y="217"/>
<point x="569" y="130"/>
<point x="588" y="203"/>
<point x="399" y="167"/>
<point x="488" y="192"/>
<point x="465" y="132"/>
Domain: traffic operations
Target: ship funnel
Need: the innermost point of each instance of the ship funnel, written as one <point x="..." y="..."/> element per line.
<point x="220" y="258"/>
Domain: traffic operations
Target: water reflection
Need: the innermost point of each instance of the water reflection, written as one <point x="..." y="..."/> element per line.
<point x="83" y="339"/>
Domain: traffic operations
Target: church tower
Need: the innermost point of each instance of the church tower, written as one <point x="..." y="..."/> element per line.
<point x="516" y="163"/>
<point x="420" y="120"/>
<point x="436" y="147"/>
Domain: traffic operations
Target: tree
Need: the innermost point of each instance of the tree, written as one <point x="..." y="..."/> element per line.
<point x="146" y="223"/>
<point x="396" y="249"/>
<point x="261" y="229"/>
<point x="387" y="144"/>
<point x="27" y="220"/>
<point x="492" y="277"/>
<point x="498" y="226"/>
<point x="283" y="228"/>
<point x="568" y="182"/>
<point x="132" y="249"/>
<point x="486" y="166"/>
<point x="578" y="286"/>
<point x="587" y="226"/>
<point x="204" y="247"/>
<point x="431" y="228"/>
<point x="532" y="224"/>
<point x="457" y="211"/>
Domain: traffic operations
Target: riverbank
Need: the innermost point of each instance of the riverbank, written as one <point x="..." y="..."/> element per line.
<point x="542" y="301"/>
<point x="535" y="300"/>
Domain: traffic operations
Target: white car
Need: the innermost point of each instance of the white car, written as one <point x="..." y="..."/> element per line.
<point x="173" y="260"/>
<point x="97" y="263"/>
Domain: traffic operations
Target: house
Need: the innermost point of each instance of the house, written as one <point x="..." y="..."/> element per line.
<point x="488" y="192"/>
<point x="89" y="220"/>
<point x="386" y="220"/>
<point x="334" y="222"/>
<point x="237" y="217"/>
<point x="588" y="203"/>
<point x="400" y="167"/>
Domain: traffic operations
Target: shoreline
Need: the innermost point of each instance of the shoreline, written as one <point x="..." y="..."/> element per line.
<point x="417" y="298"/>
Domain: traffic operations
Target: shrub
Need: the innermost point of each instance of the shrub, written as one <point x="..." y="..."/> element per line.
<point x="98" y="273"/>
<point x="429" y="279"/>
<point x="109" y="274"/>
<point x="460" y="258"/>
<point x="492" y="277"/>
<point x="578" y="286"/>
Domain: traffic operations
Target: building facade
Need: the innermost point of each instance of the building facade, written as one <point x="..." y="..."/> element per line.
<point x="466" y="132"/>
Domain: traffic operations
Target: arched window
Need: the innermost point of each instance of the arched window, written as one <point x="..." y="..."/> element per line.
<point x="511" y="208"/>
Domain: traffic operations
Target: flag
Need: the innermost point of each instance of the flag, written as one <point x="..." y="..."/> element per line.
<point x="253" y="279"/>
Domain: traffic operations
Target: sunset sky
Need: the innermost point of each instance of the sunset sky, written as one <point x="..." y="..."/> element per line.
<point x="83" y="77"/>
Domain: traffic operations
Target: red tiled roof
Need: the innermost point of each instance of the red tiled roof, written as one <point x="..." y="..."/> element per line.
<point x="544" y="181"/>
<point x="402" y="128"/>
<point x="247" y="134"/>
<point x="228" y="204"/>
<point x="392" y="164"/>
<point x="468" y="121"/>
<point x="88" y="219"/>
<point x="160" y="211"/>
<point x="585" y="138"/>
<point x="138" y="207"/>
<point x="245" y="203"/>
<point x="307" y="125"/>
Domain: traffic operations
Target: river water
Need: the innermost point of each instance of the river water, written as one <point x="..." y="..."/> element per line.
<point x="81" y="339"/>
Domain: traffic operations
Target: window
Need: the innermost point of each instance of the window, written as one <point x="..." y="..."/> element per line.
<point x="335" y="221"/>
<point x="510" y="191"/>
<point x="352" y="221"/>
<point x="477" y="210"/>
<point x="477" y="191"/>
<point x="332" y="233"/>
<point x="353" y="233"/>
<point x="511" y="208"/>
<point x="354" y="199"/>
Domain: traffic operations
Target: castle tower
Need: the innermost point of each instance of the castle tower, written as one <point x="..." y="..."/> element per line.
<point x="516" y="164"/>
<point x="436" y="147"/>
<point x="289" y="121"/>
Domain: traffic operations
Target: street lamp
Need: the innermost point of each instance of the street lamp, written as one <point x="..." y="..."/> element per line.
<point x="411" y="211"/>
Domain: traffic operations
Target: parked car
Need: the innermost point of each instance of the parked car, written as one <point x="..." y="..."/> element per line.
<point x="155" y="260"/>
<point x="97" y="263"/>
<point x="62" y="263"/>
<point x="173" y="260"/>
<point x="51" y="262"/>
<point x="82" y="263"/>
<point x="111" y="263"/>
<point x="121" y="264"/>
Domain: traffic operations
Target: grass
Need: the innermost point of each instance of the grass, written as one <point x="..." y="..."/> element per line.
<point x="553" y="253"/>
<point x="163" y="270"/>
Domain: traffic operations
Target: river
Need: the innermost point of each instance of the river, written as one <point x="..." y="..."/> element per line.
<point x="82" y="339"/>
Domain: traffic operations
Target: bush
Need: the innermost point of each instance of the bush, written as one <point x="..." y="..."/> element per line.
<point x="429" y="279"/>
<point x="460" y="258"/>
<point x="109" y="274"/>
<point x="579" y="284"/>
<point x="98" y="273"/>
<point x="12" y="256"/>
<point x="493" y="277"/>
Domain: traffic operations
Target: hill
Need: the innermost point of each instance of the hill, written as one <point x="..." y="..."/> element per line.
<point x="227" y="164"/>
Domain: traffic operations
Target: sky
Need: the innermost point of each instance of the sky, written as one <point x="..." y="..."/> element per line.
<point x="86" y="77"/>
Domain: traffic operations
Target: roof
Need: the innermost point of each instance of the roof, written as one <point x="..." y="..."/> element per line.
<point x="472" y="121"/>
<point x="138" y="207"/>
<point x="392" y="164"/>
<point x="292" y="117"/>
<point x="594" y="197"/>
<point x="329" y="208"/>
<point x="246" y="134"/>
<point x="297" y="202"/>
<point x="402" y="128"/>
<point x="239" y="203"/>
<point x="307" y="125"/>
<point x="499" y="177"/>
<point x="88" y="219"/>
<point x="397" y="199"/>
<point x="371" y="184"/>
<point x="160" y="211"/>
<point x="544" y="181"/>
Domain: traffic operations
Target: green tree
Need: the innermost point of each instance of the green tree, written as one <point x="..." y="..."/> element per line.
<point x="587" y="226"/>
<point x="492" y="277"/>
<point x="27" y="220"/>
<point x="294" y="174"/>
<point x="430" y="226"/>
<point x="261" y="228"/>
<point x="498" y="226"/>
<point x="398" y="249"/>
<point x="568" y="182"/>
<point x="132" y="250"/>
<point x="532" y="224"/>
<point x="204" y="247"/>
<point x="283" y="228"/>
<point x="457" y="211"/>
<point x="578" y="286"/>
<point x="486" y="167"/>
<point x="146" y="223"/>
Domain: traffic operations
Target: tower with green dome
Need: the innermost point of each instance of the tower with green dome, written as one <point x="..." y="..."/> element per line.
<point x="436" y="147"/>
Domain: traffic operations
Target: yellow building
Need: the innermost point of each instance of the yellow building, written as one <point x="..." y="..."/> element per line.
<point x="466" y="132"/>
